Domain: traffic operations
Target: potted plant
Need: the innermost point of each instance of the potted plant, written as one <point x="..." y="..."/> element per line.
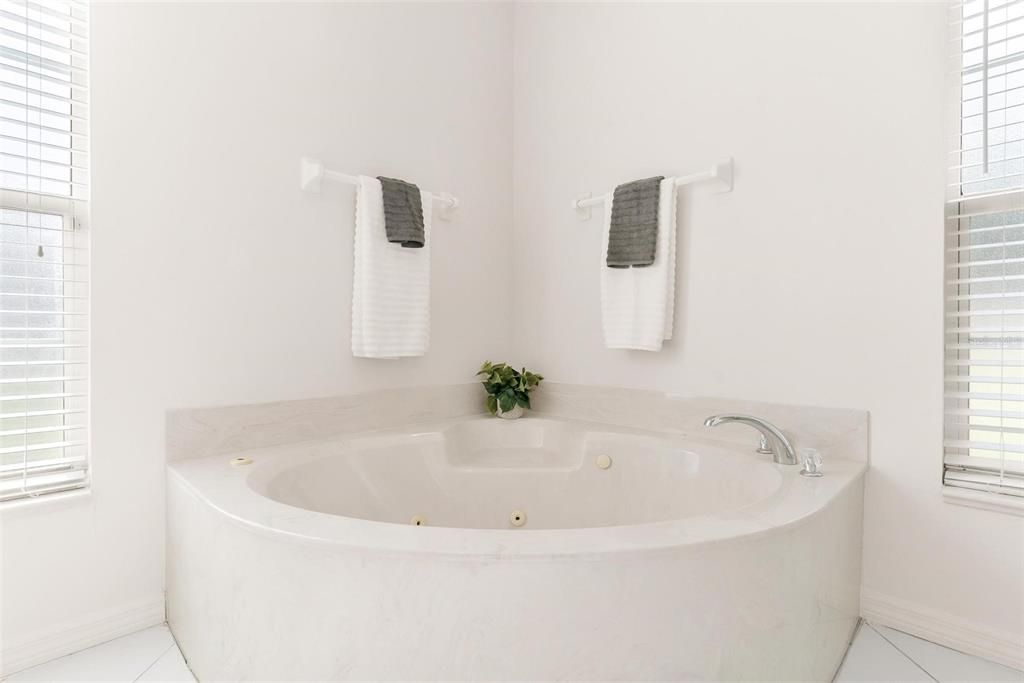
<point x="508" y="389"/>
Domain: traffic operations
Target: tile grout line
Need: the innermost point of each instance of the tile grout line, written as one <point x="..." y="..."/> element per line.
<point x="180" y="651"/>
<point x="153" y="663"/>
<point x="853" y="637"/>
<point x="908" y="657"/>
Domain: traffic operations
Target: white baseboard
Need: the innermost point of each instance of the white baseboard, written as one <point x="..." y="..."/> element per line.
<point x="78" y="634"/>
<point x="1004" y="647"/>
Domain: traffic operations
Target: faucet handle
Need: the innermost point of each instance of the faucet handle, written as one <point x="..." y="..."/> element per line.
<point x="765" y="448"/>
<point x="811" y="462"/>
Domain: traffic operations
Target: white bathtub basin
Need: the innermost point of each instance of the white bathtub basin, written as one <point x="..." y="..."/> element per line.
<point x="681" y="561"/>
<point x="473" y="474"/>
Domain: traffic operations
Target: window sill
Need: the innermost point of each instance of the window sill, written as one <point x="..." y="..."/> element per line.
<point x="994" y="502"/>
<point x="46" y="503"/>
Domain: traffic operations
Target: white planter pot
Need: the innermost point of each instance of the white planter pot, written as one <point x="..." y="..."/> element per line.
<point x="513" y="414"/>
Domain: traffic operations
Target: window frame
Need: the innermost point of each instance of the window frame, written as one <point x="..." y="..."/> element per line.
<point x="34" y="190"/>
<point x="983" y="493"/>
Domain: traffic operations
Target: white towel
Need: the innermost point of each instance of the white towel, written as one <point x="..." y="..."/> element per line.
<point x="638" y="304"/>
<point x="391" y="283"/>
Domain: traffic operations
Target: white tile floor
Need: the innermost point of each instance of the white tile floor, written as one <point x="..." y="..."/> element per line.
<point x="882" y="654"/>
<point x="150" y="655"/>
<point x="878" y="654"/>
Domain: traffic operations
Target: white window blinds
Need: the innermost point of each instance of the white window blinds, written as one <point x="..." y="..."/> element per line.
<point x="984" y="340"/>
<point x="43" y="246"/>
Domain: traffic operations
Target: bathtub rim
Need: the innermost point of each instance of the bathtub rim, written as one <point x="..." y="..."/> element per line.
<point x="765" y="476"/>
<point x="214" y="482"/>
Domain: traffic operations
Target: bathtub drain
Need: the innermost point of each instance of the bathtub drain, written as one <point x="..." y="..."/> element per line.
<point x="418" y="520"/>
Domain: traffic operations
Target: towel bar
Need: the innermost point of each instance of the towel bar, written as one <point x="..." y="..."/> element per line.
<point x="312" y="173"/>
<point x="721" y="172"/>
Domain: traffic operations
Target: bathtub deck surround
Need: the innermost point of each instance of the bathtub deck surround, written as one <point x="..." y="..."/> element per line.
<point x="200" y="432"/>
<point x="839" y="431"/>
<point x="502" y="533"/>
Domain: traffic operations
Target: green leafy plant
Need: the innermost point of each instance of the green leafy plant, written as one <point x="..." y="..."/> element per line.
<point x="507" y="387"/>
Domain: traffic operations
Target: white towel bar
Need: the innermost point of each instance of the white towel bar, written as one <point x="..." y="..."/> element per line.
<point x="720" y="172"/>
<point x="312" y="173"/>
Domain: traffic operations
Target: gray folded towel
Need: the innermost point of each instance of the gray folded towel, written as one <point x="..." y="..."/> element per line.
<point x="633" y="235"/>
<point x="403" y="212"/>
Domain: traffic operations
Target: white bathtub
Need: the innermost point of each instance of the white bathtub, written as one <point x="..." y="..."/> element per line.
<point x="683" y="560"/>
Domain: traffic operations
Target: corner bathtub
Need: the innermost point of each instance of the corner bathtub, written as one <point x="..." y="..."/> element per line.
<point x="682" y="560"/>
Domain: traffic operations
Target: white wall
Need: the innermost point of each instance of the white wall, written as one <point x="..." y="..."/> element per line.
<point x="818" y="281"/>
<point x="216" y="281"/>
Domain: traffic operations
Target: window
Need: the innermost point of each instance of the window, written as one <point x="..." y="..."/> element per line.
<point x="984" y="400"/>
<point x="43" y="247"/>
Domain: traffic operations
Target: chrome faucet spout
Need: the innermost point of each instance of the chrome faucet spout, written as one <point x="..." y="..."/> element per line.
<point x="773" y="441"/>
